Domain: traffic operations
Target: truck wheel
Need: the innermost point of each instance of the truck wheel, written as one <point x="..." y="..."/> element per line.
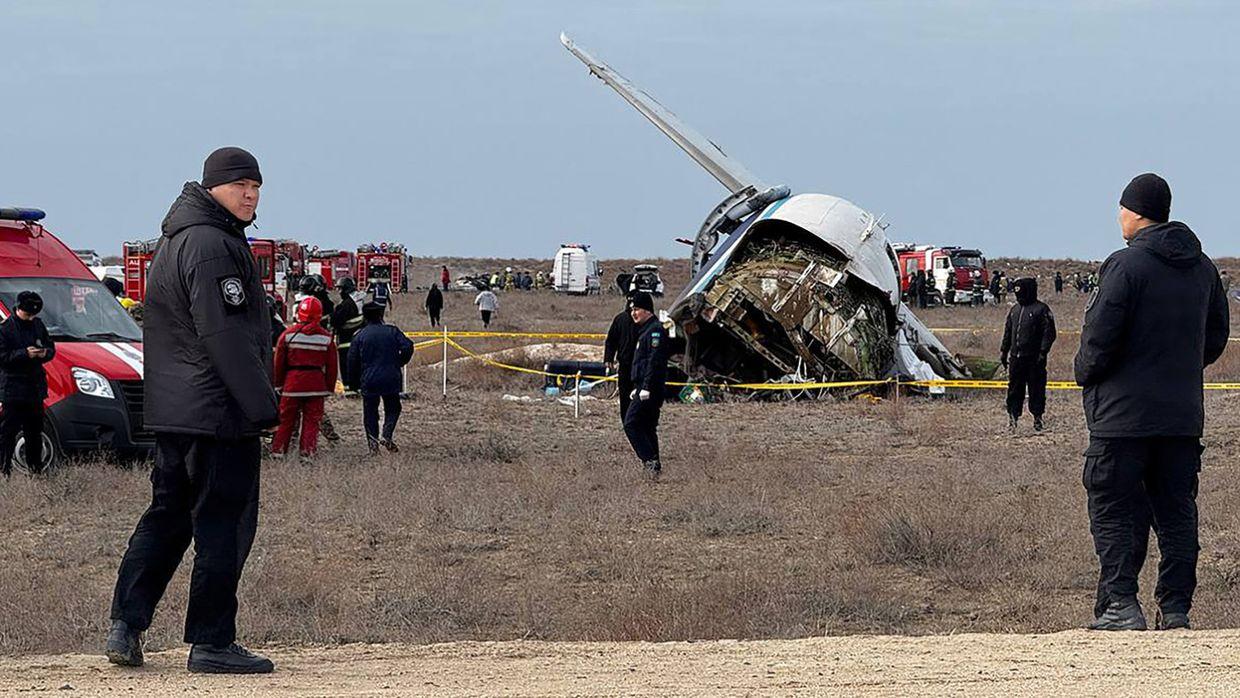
<point x="52" y="455"/>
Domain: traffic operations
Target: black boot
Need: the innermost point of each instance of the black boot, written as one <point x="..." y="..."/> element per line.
<point x="390" y="445"/>
<point x="1037" y="423"/>
<point x="652" y="469"/>
<point x="1173" y="621"/>
<point x="1123" y="614"/>
<point x="1012" y="423"/>
<point x="232" y="659"/>
<point x="124" y="645"/>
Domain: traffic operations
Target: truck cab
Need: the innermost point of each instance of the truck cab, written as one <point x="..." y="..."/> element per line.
<point x="95" y="386"/>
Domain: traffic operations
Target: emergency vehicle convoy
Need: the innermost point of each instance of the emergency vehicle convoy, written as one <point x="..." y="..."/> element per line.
<point x="94" y="382"/>
<point x="951" y="267"/>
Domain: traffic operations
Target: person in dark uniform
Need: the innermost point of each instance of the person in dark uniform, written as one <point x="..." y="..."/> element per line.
<point x="24" y="347"/>
<point x="1058" y="283"/>
<point x="346" y="321"/>
<point x="919" y="288"/>
<point x="641" y="422"/>
<point x="1156" y="320"/>
<point x="376" y="356"/>
<point x="434" y="304"/>
<point x="209" y="397"/>
<point x="618" y="353"/>
<point x="1027" y="338"/>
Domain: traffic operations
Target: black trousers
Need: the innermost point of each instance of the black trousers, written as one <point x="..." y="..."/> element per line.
<point x="203" y="490"/>
<point x="1142" y="523"/>
<point x="641" y="425"/>
<point x="370" y="416"/>
<point x="434" y="314"/>
<point x="1120" y="476"/>
<point x="25" y="416"/>
<point x="1026" y="375"/>
<point x="486" y="318"/>
<point x="624" y="384"/>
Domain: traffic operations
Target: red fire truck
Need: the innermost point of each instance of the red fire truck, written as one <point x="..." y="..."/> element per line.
<point x="943" y="263"/>
<point x="332" y="265"/>
<point x="138" y="256"/>
<point x="272" y="266"/>
<point x="94" y="399"/>
<point x="382" y="262"/>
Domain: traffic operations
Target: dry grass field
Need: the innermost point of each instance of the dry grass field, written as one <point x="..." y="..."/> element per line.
<point x="508" y="520"/>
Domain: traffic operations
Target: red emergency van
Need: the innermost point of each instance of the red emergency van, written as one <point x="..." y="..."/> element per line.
<point x="95" y="387"/>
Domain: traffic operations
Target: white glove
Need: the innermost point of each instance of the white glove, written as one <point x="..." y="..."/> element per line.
<point x="643" y="395"/>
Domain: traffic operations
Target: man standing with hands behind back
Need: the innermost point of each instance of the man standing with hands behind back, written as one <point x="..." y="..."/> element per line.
<point x="24" y="347"/>
<point x="207" y="335"/>
<point x="1156" y="320"/>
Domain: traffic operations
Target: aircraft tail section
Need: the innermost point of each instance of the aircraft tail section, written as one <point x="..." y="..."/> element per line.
<point x="729" y="172"/>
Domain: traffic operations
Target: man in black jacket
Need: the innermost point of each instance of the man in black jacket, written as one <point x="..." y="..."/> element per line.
<point x="24" y="347"/>
<point x="1156" y="320"/>
<point x="618" y="353"/>
<point x="346" y="321"/>
<point x="208" y="399"/>
<point x="1027" y="338"/>
<point x="641" y="423"/>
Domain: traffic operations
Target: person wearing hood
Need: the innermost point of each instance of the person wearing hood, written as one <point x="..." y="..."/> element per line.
<point x="305" y="374"/>
<point x="346" y="321"/>
<point x="1027" y="338"/>
<point x="434" y="304"/>
<point x="207" y="337"/>
<point x="376" y="356"/>
<point x="1157" y="318"/>
<point x="25" y="346"/>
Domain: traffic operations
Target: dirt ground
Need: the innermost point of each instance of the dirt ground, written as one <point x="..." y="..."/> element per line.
<point x="1074" y="663"/>
<point x="506" y="534"/>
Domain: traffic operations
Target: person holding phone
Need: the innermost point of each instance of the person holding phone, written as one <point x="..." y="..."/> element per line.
<point x="24" y="347"/>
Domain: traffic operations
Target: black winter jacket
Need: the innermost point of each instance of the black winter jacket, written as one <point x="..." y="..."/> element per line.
<point x="21" y="377"/>
<point x="377" y="354"/>
<point x="1156" y="320"/>
<point x="621" y="342"/>
<point x="1029" y="331"/>
<point x="206" y="326"/>
<point x="346" y="320"/>
<point x="650" y="358"/>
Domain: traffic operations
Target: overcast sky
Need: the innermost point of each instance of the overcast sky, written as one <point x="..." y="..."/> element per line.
<point x="464" y="128"/>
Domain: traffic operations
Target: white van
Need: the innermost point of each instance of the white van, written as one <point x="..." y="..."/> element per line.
<point x="576" y="271"/>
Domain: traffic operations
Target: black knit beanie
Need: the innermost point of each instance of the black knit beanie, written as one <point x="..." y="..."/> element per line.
<point x="644" y="301"/>
<point x="1148" y="196"/>
<point x="228" y="165"/>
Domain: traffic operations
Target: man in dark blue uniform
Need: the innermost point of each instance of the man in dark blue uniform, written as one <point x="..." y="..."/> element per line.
<point x="207" y="333"/>
<point x="618" y="354"/>
<point x="1157" y="318"/>
<point x="649" y="375"/>
<point x="1028" y="335"/>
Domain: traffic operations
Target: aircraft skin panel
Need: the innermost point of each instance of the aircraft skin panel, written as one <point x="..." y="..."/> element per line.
<point x="846" y="227"/>
<point x="730" y="173"/>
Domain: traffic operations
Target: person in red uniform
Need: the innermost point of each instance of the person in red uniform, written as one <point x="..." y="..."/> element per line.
<point x="306" y="364"/>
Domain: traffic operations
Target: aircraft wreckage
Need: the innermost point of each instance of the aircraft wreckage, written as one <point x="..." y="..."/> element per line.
<point x="787" y="285"/>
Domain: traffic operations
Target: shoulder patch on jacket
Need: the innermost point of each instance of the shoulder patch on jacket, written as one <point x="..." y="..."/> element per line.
<point x="232" y="292"/>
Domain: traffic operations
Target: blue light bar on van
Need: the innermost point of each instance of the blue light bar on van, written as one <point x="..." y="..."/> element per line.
<point x="21" y="214"/>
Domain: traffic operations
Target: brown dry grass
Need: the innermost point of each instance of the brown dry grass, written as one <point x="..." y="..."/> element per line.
<point x="503" y="520"/>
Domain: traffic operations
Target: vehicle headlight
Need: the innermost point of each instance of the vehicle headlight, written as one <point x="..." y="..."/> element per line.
<point x="91" y="383"/>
